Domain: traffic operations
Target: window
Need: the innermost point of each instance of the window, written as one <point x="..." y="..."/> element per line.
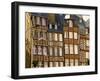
<point x="76" y="49"/>
<point x="50" y="36"/>
<point x="71" y="49"/>
<point x="38" y="20"/>
<point x="76" y="62"/>
<point x="71" y="62"/>
<point x="56" y="26"/>
<point x="75" y="35"/>
<point x="65" y="34"/>
<point x="43" y="21"/>
<point x="55" y="38"/>
<point x="39" y="50"/>
<point x="40" y="64"/>
<point x="34" y="50"/>
<point x="60" y="37"/>
<point x="70" y="34"/>
<point x="51" y="51"/>
<point x="51" y="64"/>
<point x="38" y="35"/>
<point x="60" y="51"/>
<point x="60" y="43"/>
<point x="56" y="64"/>
<point x="56" y="51"/>
<point x="33" y="20"/>
<point x="87" y="32"/>
<point x="50" y="26"/>
<point x="87" y="54"/>
<point x="87" y="42"/>
<point x="44" y="50"/>
<point x="66" y="49"/>
<point x="61" y="64"/>
<point x="50" y="43"/>
<point x="45" y="64"/>
<point x="70" y="23"/>
<point x="44" y="35"/>
<point x="66" y="62"/>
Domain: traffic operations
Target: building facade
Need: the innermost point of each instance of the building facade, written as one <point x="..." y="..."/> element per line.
<point x="49" y="42"/>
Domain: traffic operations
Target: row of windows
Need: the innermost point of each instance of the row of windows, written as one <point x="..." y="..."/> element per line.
<point x="68" y="62"/>
<point x="49" y="64"/>
<point x="84" y="43"/>
<point x="71" y="49"/>
<point x="56" y="51"/>
<point x="71" y="34"/>
<point x="39" y="20"/>
<point x="71" y="62"/>
<point x="39" y="35"/>
<point x="55" y="37"/>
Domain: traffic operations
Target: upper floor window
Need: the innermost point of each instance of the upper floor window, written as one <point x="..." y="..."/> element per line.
<point x="38" y="20"/>
<point x="44" y="21"/>
<point x="51" y="51"/>
<point x="55" y="51"/>
<point x="66" y="49"/>
<point x="70" y="23"/>
<point x="71" y="49"/>
<point x="70" y="34"/>
<point x="76" y="49"/>
<point x="56" y="26"/>
<point x="50" y="26"/>
<point x="44" y="50"/>
<point x="55" y="36"/>
<point x="60" y="51"/>
<point x="60" y="37"/>
<point x="39" y="50"/>
<point x="34" y="50"/>
<point x="50" y="36"/>
<point x="75" y="35"/>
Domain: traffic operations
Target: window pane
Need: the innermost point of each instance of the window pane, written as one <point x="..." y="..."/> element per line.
<point x="71" y="49"/>
<point x="39" y="50"/>
<point x="44" y="51"/>
<point x="51" y="51"/>
<point x="56" y="26"/>
<point x="50" y="26"/>
<point x="50" y="43"/>
<point x="76" y="49"/>
<point x="34" y="50"/>
<point x="56" y="51"/>
<point x="60" y="51"/>
<point x="61" y="64"/>
<point x="71" y="62"/>
<point x="45" y="64"/>
<point x="75" y="35"/>
<point x="76" y="62"/>
<point x="70" y="34"/>
<point x="40" y="64"/>
<point x="50" y="36"/>
<point x="56" y="64"/>
<point x="87" y="54"/>
<point x="66" y="49"/>
<point x="87" y="42"/>
<point x="60" y="43"/>
<point x="70" y="23"/>
<point x="38" y="20"/>
<point x="65" y="34"/>
<point x="55" y="38"/>
<point x="43" y="21"/>
<point x="51" y="64"/>
<point x="33" y="20"/>
<point x="66" y="62"/>
<point x="60" y="37"/>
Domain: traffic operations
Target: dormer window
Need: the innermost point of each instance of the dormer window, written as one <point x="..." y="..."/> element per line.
<point x="56" y="26"/>
<point x="50" y="26"/>
<point x="70" y="23"/>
